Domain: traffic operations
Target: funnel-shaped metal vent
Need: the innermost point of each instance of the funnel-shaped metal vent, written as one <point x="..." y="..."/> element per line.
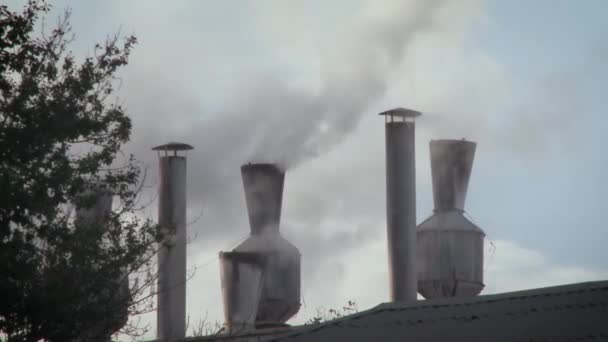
<point x="451" y="164"/>
<point x="280" y="296"/>
<point x="264" y="194"/>
<point x="450" y="246"/>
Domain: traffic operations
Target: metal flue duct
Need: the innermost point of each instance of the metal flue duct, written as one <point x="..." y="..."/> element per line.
<point x="401" y="202"/>
<point x="280" y="296"/>
<point x="450" y="246"/>
<point x="171" y="298"/>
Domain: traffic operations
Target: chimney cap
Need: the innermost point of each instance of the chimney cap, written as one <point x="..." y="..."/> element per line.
<point x="402" y="112"/>
<point x="173" y="146"/>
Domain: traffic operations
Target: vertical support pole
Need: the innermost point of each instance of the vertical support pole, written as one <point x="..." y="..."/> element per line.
<point x="171" y="310"/>
<point x="401" y="203"/>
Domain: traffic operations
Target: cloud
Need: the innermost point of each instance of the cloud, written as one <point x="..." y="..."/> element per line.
<point x="512" y="267"/>
<point x="265" y="117"/>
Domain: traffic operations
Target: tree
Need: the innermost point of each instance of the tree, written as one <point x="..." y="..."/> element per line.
<point x="60" y="137"/>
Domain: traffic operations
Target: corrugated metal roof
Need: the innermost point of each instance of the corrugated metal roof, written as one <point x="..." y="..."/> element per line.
<point x="576" y="312"/>
<point x="564" y="313"/>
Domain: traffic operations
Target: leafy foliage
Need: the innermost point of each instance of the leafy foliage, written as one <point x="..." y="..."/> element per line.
<point x="60" y="137"/>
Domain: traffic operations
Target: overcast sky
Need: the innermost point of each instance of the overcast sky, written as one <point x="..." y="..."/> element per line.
<point x="301" y="82"/>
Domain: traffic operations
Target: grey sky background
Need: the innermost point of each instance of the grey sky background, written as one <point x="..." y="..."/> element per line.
<point x="301" y="82"/>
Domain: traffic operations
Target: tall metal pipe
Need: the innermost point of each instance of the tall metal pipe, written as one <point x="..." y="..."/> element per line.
<point x="171" y="300"/>
<point x="401" y="202"/>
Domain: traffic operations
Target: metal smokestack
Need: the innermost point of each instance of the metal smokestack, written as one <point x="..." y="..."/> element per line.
<point x="171" y="304"/>
<point x="263" y="185"/>
<point x="401" y="202"/>
<point x="280" y="293"/>
<point x="450" y="246"/>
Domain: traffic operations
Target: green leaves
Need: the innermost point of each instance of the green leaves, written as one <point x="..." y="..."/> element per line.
<point x="59" y="135"/>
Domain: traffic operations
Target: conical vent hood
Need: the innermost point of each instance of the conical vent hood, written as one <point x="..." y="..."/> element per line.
<point x="263" y="185"/>
<point x="451" y="164"/>
<point x="279" y="298"/>
<point x="449" y="245"/>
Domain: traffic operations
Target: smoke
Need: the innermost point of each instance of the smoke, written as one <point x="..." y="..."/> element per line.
<point x="269" y="119"/>
<point x="526" y="118"/>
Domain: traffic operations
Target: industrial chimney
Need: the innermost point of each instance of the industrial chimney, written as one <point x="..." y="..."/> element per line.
<point x="171" y="303"/>
<point x="280" y="291"/>
<point x="450" y="247"/>
<point x="401" y="202"/>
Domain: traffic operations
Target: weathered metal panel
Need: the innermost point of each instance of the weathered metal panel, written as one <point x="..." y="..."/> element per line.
<point x="241" y="279"/>
<point x="280" y="298"/>
<point x="401" y="209"/>
<point x="171" y="305"/>
<point x="449" y="263"/>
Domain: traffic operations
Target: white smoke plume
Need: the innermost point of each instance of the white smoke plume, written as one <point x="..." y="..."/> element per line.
<point x="269" y="119"/>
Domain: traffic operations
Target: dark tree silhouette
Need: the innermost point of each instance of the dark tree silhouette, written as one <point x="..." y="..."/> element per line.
<point x="61" y="132"/>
